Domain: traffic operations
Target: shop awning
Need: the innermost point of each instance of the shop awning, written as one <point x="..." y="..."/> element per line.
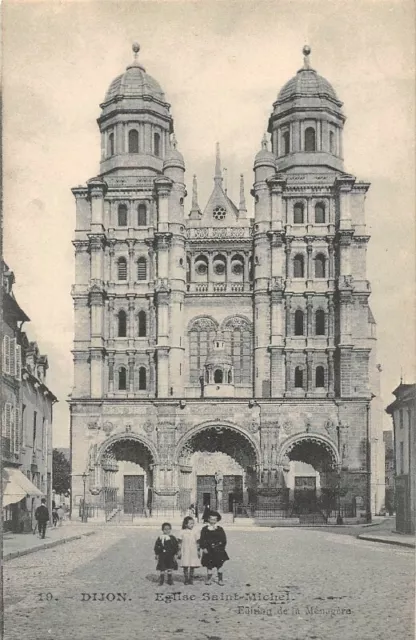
<point x="16" y="486"/>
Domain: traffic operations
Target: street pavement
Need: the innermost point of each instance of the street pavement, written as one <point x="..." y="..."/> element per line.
<point x="280" y="584"/>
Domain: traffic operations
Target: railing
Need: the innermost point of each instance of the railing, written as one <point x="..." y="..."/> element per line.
<point x="294" y="514"/>
<point x="219" y="232"/>
<point x="219" y="287"/>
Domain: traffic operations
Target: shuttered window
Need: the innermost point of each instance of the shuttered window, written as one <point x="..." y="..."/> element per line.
<point x="122" y="269"/>
<point x="6" y="354"/>
<point x="12" y="357"/>
<point x="142" y="269"/>
<point x="18" y="362"/>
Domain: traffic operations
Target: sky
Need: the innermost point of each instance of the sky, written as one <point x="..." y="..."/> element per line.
<point x="221" y="65"/>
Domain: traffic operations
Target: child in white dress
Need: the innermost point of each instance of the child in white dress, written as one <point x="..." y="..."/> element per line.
<point x="189" y="551"/>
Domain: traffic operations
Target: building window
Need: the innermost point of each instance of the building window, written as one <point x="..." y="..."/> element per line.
<point x="299" y="322"/>
<point x="122" y="324"/>
<point x="319" y="213"/>
<point x="142" y="324"/>
<point x="299" y="378"/>
<point x="156" y="144"/>
<point x="286" y="142"/>
<point x="122" y="269"/>
<point x="319" y="377"/>
<point x="219" y="213"/>
<point x="331" y="142"/>
<point x="218" y="376"/>
<point x="320" y="266"/>
<point x="122" y="215"/>
<point x="133" y="141"/>
<point x="401" y="461"/>
<point x="298" y="266"/>
<point x="219" y="265"/>
<point x="298" y="213"/>
<point x="111" y="144"/>
<point x="201" y="266"/>
<point x="142" y="269"/>
<point x="142" y="379"/>
<point x="401" y="418"/>
<point x="310" y="141"/>
<point x="6" y="354"/>
<point x="142" y="215"/>
<point x="320" y="322"/>
<point x="122" y="379"/>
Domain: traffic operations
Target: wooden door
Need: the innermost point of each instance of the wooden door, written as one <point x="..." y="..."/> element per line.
<point x="133" y="494"/>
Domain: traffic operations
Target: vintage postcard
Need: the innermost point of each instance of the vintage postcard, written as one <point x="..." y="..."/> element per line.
<point x="208" y="380"/>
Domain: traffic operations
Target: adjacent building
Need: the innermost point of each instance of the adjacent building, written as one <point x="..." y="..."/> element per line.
<point x="403" y="412"/>
<point x="26" y="417"/>
<point x="389" y="471"/>
<point x="223" y="354"/>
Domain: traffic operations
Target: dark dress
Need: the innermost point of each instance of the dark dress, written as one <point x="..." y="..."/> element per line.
<point x="214" y="541"/>
<point x="166" y="551"/>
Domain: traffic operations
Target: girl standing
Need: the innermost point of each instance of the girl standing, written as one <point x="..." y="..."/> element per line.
<point x="189" y="551"/>
<point x="166" y="549"/>
<point x="213" y="542"/>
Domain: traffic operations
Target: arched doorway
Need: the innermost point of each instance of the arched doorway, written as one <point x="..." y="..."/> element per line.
<point x="311" y="470"/>
<point x="217" y="467"/>
<point x="126" y="466"/>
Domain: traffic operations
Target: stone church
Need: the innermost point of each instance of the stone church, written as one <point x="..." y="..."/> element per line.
<point x="223" y="354"/>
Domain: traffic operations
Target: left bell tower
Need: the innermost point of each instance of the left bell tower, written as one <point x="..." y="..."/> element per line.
<point x="127" y="242"/>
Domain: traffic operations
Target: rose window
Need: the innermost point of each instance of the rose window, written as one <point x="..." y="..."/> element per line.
<point x="219" y="213"/>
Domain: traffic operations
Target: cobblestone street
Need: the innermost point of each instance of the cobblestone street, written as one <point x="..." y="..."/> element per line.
<point x="325" y="586"/>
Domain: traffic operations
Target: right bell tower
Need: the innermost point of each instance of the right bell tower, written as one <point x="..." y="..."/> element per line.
<point x="309" y="246"/>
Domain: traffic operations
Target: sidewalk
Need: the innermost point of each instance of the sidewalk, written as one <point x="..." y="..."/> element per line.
<point x="20" y="544"/>
<point x="385" y="531"/>
<point x="389" y="537"/>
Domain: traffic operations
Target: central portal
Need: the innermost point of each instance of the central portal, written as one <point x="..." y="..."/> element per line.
<point x="217" y="469"/>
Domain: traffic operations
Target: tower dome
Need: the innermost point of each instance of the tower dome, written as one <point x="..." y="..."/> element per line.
<point x="306" y="122"/>
<point x="135" y="122"/>
<point x="134" y="82"/>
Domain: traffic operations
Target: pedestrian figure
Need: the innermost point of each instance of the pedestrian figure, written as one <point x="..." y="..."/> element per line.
<point x="166" y="550"/>
<point x="61" y="514"/>
<point x="205" y="513"/>
<point x="212" y="543"/>
<point x="55" y="516"/>
<point x="42" y="517"/>
<point x="189" y="549"/>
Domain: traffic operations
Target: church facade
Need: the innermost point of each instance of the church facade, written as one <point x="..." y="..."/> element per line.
<point x="222" y="356"/>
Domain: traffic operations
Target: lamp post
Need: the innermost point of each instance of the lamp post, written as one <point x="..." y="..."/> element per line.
<point x="84" y="514"/>
<point x="339" y="516"/>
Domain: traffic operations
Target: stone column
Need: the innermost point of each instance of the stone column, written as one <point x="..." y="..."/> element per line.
<point x="131" y="270"/>
<point x="131" y="362"/>
<point x="111" y="372"/>
<point x="309" y="317"/>
<point x="288" y="372"/>
<point x="331" y="387"/>
<point x="288" y="251"/>
<point x="289" y="331"/>
<point x="309" y="372"/>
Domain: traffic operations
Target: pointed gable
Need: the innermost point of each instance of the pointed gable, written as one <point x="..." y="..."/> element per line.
<point x="220" y="210"/>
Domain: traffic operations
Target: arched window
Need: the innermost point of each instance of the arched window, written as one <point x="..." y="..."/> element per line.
<point x="237" y="267"/>
<point x="286" y="142"/>
<point x="219" y="266"/>
<point x="142" y="269"/>
<point x="133" y="141"/>
<point x="122" y="379"/>
<point x="310" y="142"/>
<point x="122" y="215"/>
<point x="320" y="266"/>
<point x="319" y="213"/>
<point x="319" y="377"/>
<point x="142" y="215"/>
<point x="201" y="268"/>
<point x="188" y="270"/>
<point x="298" y="210"/>
<point x="156" y="144"/>
<point x="110" y="149"/>
<point x="298" y="322"/>
<point x="218" y="376"/>
<point x="298" y="266"/>
<point x="299" y="377"/>
<point x="331" y="142"/>
<point x="142" y="379"/>
<point x="122" y="269"/>
<point x="122" y="324"/>
<point x="142" y="324"/>
<point x="320" y="322"/>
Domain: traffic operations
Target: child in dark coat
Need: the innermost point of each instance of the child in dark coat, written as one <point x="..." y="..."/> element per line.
<point x="166" y="550"/>
<point x="212" y="543"/>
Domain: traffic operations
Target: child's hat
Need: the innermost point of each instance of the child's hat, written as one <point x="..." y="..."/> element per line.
<point x="216" y="514"/>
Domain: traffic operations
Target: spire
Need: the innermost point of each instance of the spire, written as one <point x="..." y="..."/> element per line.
<point x="173" y="141"/>
<point x="242" y="209"/>
<point x="264" y="144"/>
<point x="218" y="174"/>
<point x="306" y="53"/>
<point x="195" y="210"/>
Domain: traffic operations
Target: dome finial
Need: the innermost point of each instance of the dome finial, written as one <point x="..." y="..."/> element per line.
<point x="136" y="48"/>
<point x="306" y="53"/>
<point x="173" y="141"/>
<point x="264" y="142"/>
